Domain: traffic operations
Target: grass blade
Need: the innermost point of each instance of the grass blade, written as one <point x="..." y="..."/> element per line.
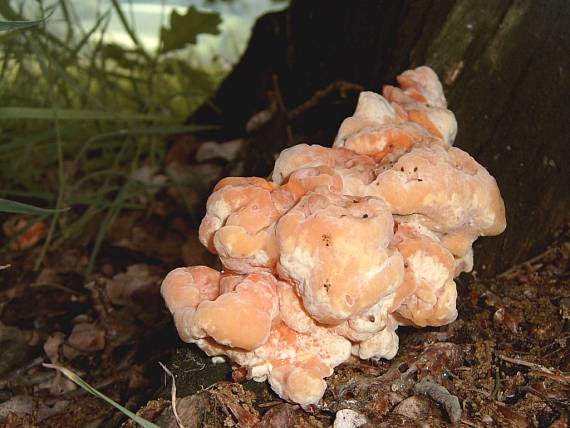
<point x="76" y="379"/>
<point x="129" y="30"/>
<point x="107" y="222"/>
<point x="86" y="38"/>
<point x="13" y="207"/>
<point x="141" y="131"/>
<point x="73" y="114"/>
<point x="20" y="25"/>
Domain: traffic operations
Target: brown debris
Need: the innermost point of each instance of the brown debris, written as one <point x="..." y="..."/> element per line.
<point x="441" y="396"/>
<point x="504" y="317"/>
<point x="561" y="422"/>
<point x="282" y="415"/>
<point x="415" y="408"/>
<point x="224" y="404"/>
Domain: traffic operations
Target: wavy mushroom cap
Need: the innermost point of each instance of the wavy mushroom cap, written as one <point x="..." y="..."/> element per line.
<point x="184" y="289"/>
<point x="305" y="180"/>
<point x="423" y="85"/>
<point x="439" y="122"/>
<point x="372" y="111"/>
<point x="241" y="318"/>
<point x="297" y="363"/>
<point x="380" y="141"/>
<point x="379" y="128"/>
<point x="458" y="242"/>
<point x="428" y="294"/>
<point x="306" y="156"/>
<point x="421" y="97"/>
<point x="302" y="385"/>
<point x="334" y="249"/>
<point x="291" y="310"/>
<point x="415" y="113"/>
<point x="240" y="221"/>
<point x="187" y="287"/>
<point x="310" y="168"/>
<point x="446" y="190"/>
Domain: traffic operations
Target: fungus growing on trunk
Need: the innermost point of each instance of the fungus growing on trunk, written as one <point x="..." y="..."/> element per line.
<point x="342" y="246"/>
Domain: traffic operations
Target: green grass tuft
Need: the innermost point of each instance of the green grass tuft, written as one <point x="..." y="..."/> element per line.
<point x="80" y="115"/>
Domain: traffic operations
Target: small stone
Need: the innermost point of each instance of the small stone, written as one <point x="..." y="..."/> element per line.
<point x="87" y="337"/>
<point x="414" y="408"/>
<point x="218" y="360"/>
<point x="347" y="418"/>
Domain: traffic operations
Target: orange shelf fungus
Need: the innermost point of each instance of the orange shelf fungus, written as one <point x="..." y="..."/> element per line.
<point x="342" y="246"/>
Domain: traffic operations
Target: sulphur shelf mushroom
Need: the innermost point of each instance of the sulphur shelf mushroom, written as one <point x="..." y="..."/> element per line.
<point x="342" y="246"/>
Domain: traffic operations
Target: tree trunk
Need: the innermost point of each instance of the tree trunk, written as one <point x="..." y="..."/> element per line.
<point x="505" y="69"/>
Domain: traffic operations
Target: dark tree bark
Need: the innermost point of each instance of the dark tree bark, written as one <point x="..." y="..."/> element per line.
<point x="505" y="67"/>
<point x="307" y="46"/>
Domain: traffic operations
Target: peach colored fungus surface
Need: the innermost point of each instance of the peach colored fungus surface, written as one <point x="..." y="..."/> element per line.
<point x="342" y="246"/>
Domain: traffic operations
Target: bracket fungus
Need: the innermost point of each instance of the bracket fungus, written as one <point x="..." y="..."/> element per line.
<point x="342" y="246"/>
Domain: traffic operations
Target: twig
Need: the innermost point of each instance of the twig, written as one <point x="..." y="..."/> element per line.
<point x="556" y="377"/>
<point x="552" y="402"/>
<point x="528" y="364"/>
<point x="469" y="423"/>
<point x="173" y="395"/>
<point x="5" y="266"/>
<point x="281" y="105"/>
<point x="509" y="273"/>
<point x="341" y="86"/>
<point x="57" y="287"/>
<point x="270" y="404"/>
<point x="495" y="392"/>
<point x="233" y="409"/>
<point x="546" y="372"/>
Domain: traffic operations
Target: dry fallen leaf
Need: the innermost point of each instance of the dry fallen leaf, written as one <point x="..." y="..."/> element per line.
<point x="123" y="285"/>
<point x="87" y="337"/>
<point x="15" y="227"/>
<point x="26" y="405"/>
<point x="227" y="151"/>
